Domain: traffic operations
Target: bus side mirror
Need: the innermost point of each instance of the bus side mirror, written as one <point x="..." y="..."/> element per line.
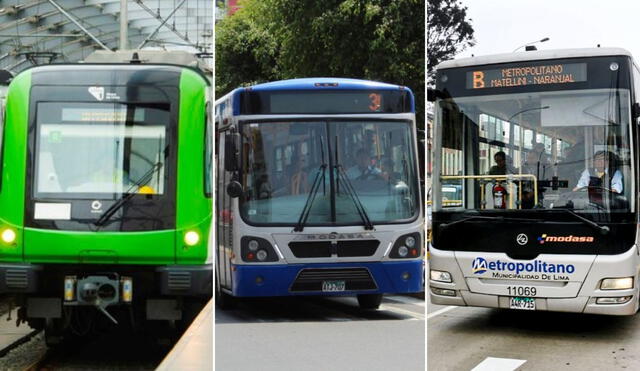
<point x="231" y="152"/>
<point x="234" y="189"/>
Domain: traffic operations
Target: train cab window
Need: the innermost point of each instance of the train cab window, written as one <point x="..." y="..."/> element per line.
<point x="100" y="149"/>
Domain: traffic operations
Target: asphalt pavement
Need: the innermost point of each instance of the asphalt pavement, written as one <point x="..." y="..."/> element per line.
<point x="313" y="333"/>
<point x="483" y="339"/>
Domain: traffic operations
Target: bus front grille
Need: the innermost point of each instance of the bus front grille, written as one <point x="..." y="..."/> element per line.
<point x="311" y="279"/>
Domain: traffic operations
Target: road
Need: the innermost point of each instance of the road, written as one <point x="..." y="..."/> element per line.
<point x="479" y="339"/>
<point x="314" y="333"/>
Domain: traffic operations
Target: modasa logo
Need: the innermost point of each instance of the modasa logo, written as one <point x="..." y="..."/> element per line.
<point x="572" y="239"/>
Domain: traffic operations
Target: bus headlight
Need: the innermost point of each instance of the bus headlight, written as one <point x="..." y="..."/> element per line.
<point x="403" y="251"/>
<point x="262" y="255"/>
<point x="257" y="250"/>
<point x="8" y="236"/>
<point x="440" y="276"/>
<point x="617" y="283"/>
<point x="407" y="246"/>
<point x="191" y="238"/>
<point x="410" y="241"/>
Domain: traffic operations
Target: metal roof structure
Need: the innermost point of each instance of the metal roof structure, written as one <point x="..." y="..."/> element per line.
<point x="49" y="31"/>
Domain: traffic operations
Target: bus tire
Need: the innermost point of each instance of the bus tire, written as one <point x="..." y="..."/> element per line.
<point x="369" y="301"/>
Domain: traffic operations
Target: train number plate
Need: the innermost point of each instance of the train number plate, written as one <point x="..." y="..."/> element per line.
<point x="522" y="303"/>
<point x="333" y="285"/>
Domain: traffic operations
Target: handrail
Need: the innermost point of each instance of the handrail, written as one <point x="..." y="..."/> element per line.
<point x="500" y="177"/>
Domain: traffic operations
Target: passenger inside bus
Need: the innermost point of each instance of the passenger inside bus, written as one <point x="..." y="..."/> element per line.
<point x="300" y="179"/>
<point x="501" y="167"/>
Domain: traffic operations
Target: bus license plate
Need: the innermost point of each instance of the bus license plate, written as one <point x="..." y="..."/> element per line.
<point x="333" y="285"/>
<point x="522" y="303"/>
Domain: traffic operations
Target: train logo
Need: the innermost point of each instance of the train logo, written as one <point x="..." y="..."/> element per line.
<point x="96" y="206"/>
<point x="479" y="265"/>
<point x="522" y="239"/>
<point x="97" y="92"/>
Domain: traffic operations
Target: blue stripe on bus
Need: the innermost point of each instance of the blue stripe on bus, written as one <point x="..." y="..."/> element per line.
<point x="276" y="279"/>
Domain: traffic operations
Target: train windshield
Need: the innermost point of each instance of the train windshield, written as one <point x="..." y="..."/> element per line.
<point x="331" y="166"/>
<point x="537" y="150"/>
<point x="100" y="150"/>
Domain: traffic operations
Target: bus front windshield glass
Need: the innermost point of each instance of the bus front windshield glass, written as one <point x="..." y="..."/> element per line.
<point x="330" y="166"/>
<point x="100" y="150"/>
<point x="565" y="149"/>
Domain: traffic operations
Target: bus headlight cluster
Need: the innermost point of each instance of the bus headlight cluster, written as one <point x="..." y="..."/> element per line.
<point x="257" y="250"/>
<point x="617" y="283"/>
<point x="8" y="236"/>
<point x="406" y="246"/>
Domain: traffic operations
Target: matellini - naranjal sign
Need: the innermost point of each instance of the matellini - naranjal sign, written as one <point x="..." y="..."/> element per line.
<point x="558" y="73"/>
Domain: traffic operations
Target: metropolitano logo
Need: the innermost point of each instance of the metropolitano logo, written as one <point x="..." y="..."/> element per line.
<point x="479" y="265"/>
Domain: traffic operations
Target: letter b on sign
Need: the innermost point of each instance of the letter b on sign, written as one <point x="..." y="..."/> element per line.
<point x="478" y="79"/>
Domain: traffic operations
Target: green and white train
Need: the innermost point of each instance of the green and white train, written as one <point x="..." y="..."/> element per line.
<point x="105" y="194"/>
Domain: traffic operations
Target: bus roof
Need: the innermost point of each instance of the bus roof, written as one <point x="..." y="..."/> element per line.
<point x="532" y="56"/>
<point x="325" y="83"/>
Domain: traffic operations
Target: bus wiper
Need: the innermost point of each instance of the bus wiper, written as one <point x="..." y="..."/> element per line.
<point x="602" y="228"/>
<point x="128" y="194"/>
<point x="444" y="226"/>
<point x="351" y="192"/>
<point x="306" y="210"/>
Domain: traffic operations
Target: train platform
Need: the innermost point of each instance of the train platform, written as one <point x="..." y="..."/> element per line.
<point x="194" y="350"/>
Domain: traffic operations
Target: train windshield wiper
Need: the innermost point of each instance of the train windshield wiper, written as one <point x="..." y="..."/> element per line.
<point x="306" y="210"/>
<point x="128" y="194"/>
<point x="351" y="192"/>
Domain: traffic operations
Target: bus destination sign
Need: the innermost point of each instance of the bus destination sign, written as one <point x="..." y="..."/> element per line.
<point x="527" y="75"/>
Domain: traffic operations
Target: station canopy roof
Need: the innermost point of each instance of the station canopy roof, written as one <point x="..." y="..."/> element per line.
<point x="36" y="32"/>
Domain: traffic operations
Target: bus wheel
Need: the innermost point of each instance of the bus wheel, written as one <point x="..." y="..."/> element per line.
<point x="223" y="301"/>
<point x="369" y="301"/>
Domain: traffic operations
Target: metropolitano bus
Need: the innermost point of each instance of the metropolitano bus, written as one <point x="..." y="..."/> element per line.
<point x="318" y="191"/>
<point x="553" y="226"/>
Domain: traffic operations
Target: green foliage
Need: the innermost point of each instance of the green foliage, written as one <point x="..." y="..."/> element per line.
<point x="449" y="32"/>
<point x="267" y="40"/>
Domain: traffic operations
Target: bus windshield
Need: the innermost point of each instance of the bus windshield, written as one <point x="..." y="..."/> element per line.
<point x="537" y="150"/>
<point x="282" y="160"/>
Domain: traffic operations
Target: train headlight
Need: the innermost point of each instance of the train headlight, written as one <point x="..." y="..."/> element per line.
<point x="253" y="245"/>
<point x="8" y="235"/>
<point x="261" y="255"/>
<point x="191" y="238"/>
<point x="410" y="242"/>
<point x="617" y="283"/>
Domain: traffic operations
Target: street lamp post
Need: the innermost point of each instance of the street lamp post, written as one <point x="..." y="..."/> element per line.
<point x="531" y="43"/>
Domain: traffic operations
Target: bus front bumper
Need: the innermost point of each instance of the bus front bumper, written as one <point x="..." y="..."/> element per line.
<point x="283" y="280"/>
<point x="580" y="304"/>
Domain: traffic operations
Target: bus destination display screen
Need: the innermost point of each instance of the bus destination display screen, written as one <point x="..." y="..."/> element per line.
<point x="513" y="76"/>
<point x="331" y="102"/>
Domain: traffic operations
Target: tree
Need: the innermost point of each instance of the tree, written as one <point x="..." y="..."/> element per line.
<point x="380" y="40"/>
<point x="449" y="32"/>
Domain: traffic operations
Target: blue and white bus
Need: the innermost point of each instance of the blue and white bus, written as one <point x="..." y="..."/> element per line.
<point x="318" y="191"/>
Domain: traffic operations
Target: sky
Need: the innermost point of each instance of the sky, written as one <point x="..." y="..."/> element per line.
<point x="503" y="25"/>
